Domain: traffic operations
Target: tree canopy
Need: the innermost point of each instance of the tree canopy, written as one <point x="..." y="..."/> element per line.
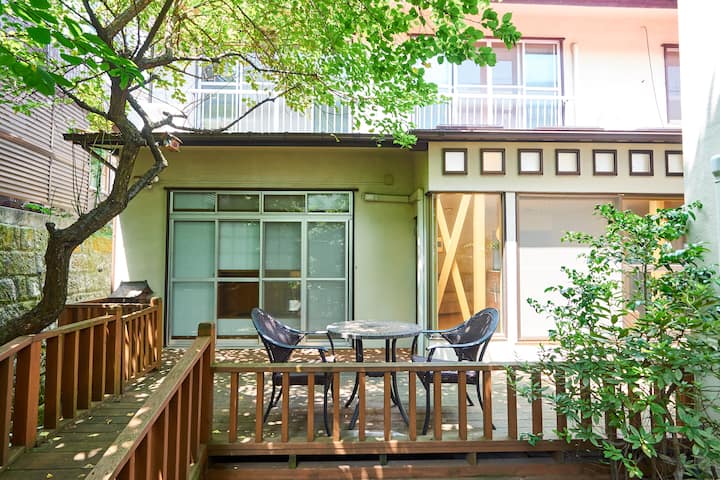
<point x="104" y="56"/>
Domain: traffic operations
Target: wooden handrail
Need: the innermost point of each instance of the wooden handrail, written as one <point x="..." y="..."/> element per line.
<point x="167" y="429"/>
<point x="83" y="362"/>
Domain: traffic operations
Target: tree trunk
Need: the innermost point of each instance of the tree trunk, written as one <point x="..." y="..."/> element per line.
<point x="62" y="243"/>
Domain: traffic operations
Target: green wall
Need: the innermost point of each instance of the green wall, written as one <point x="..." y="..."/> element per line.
<point x="384" y="232"/>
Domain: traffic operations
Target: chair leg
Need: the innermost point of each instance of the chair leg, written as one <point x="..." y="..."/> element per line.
<point x="426" y="424"/>
<point x="273" y="401"/>
<point x="327" y="386"/>
<point x="354" y="391"/>
<point x="469" y="400"/>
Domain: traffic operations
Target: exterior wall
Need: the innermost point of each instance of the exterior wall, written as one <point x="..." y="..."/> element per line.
<point x="383" y="231"/>
<point x="37" y="164"/>
<point x="23" y="239"/>
<point x="549" y="182"/>
<point x="511" y="345"/>
<point x="613" y="64"/>
<point x="700" y="79"/>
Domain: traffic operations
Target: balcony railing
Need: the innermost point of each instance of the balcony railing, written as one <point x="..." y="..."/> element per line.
<point x="507" y="111"/>
<point x="216" y="108"/>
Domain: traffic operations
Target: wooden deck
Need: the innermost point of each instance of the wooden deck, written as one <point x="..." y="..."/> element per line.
<point x="71" y="451"/>
<point x="200" y="416"/>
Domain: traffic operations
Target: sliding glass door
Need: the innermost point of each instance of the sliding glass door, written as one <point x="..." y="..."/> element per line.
<point x="287" y="252"/>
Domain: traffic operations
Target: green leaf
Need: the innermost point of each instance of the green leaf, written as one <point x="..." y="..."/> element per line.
<point x="40" y="35"/>
<point x="71" y="59"/>
<point x="42" y="4"/>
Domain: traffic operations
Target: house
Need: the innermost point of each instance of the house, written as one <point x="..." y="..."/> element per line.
<point x="315" y="223"/>
<point x="42" y="175"/>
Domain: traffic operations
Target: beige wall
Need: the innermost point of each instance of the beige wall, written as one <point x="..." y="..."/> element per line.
<point x="700" y="79"/>
<point x="549" y="182"/>
<point x="384" y="257"/>
<point x="613" y="73"/>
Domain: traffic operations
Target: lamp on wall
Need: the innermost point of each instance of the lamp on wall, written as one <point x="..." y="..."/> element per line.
<point x="171" y="142"/>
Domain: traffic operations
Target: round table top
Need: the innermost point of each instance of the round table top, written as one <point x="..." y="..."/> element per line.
<point x="373" y="329"/>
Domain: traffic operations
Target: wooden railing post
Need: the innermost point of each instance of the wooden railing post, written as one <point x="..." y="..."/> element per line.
<point x="159" y="332"/>
<point x="206" y="382"/>
<point x="113" y="383"/>
<point x="27" y="392"/>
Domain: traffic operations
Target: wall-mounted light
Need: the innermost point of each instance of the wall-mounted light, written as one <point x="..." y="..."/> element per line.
<point x="171" y="142"/>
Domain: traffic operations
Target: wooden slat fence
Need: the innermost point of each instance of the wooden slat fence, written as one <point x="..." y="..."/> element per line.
<point x="407" y="442"/>
<point x="83" y="362"/>
<point x="168" y="436"/>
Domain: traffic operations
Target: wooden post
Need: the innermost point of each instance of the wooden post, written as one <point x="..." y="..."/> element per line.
<point x="487" y="404"/>
<point x="27" y="395"/>
<point x="69" y="393"/>
<point x="206" y="382"/>
<point x="512" y="405"/>
<point x="6" y="391"/>
<point x="537" y="421"/>
<point x="99" y="359"/>
<point x="53" y="380"/>
<point x="85" y="367"/>
<point x="113" y="382"/>
<point x="159" y="331"/>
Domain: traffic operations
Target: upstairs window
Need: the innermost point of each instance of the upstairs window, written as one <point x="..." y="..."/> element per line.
<point x="522" y="90"/>
<point x="672" y="83"/>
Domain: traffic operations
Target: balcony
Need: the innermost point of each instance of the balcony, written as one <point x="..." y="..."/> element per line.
<point x="218" y="107"/>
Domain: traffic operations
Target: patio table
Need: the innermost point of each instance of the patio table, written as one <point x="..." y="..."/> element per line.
<point x="391" y="332"/>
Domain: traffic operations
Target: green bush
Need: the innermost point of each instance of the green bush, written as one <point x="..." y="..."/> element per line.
<point x="636" y="342"/>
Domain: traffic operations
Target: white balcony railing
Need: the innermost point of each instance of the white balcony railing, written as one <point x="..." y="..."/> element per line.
<point x="483" y="110"/>
<point x="215" y="108"/>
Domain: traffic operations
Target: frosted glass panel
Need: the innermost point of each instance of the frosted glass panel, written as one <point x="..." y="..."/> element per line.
<point x="326" y="303"/>
<point x="282" y="249"/>
<point x="194" y="250"/>
<point x="238" y="203"/>
<point x="282" y="300"/>
<point x="542" y="222"/>
<point x="326" y="249"/>
<point x="194" y="201"/>
<point x="284" y="203"/>
<point x="239" y="249"/>
<point x="192" y="303"/>
<point x="328" y="202"/>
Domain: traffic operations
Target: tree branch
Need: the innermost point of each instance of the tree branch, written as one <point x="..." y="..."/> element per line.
<point x="82" y="104"/>
<point x="125" y="17"/>
<point x="153" y="30"/>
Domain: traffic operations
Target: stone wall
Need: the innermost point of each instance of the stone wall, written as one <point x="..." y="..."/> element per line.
<point x="23" y="238"/>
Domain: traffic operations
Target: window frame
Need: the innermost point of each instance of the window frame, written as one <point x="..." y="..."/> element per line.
<point x="215" y="279"/>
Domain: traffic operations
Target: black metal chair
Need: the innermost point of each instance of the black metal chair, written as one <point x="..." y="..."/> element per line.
<point x="469" y="340"/>
<point x="280" y="342"/>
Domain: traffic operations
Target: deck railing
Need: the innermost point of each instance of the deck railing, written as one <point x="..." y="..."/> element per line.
<point x="168" y="436"/>
<point x="440" y="441"/>
<point x="83" y="362"/>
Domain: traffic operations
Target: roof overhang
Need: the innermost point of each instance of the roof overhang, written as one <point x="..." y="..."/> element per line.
<point x="425" y="137"/>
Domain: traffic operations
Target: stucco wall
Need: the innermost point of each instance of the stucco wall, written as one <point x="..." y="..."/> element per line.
<point x="549" y="182"/>
<point x="613" y="63"/>
<point x="23" y="239"/>
<point x="700" y="80"/>
<point x="384" y="233"/>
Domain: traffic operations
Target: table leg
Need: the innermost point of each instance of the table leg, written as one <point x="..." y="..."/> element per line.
<point x="358" y="346"/>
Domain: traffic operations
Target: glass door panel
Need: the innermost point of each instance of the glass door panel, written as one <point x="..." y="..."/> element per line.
<point x="193" y="249"/>
<point x="282" y="249"/>
<point x="192" y="303"/>
<point x="325" y="303"/>
<point x="282" y="300"/>
<point x="239" y="246"/>
<point x="326" y="249"/>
